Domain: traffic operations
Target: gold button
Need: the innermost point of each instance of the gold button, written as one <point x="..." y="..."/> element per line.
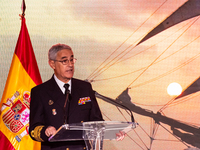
<point x="32" y="133"/>
<point x="67" y="148"/>
<point x="84" y="148"/>
<point x="81" y="121"/>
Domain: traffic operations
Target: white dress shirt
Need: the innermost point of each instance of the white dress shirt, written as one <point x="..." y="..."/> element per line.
<point x="61" y="84"/>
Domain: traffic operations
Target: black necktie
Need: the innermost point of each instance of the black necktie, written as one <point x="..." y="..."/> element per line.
<point x="66" y="86"/>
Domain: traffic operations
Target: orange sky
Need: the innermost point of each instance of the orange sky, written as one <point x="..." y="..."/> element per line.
<point x="95" y="30"/>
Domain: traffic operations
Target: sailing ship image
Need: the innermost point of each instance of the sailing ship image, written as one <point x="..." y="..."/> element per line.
<point x="130" y="51"/>
<point x="178" y="131"/>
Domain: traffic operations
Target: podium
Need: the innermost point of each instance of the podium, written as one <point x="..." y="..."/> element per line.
<point x="93" y="133"/>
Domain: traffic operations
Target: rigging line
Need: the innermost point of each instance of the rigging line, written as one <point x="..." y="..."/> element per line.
<point x="114" y="62"/>
<point x="135" y="142"/>
<point x="127" y="134"/>
<point x="174" y="69"/>
<point x="101" y="70"/>
<point x="151" y="127"/>
<point x="144" y="130"/>
<point x="117" y="61"/>
<point x="165" y="106"/>
<point x="134" y="130"/>
<point x="154" y="63"/>
<point x="154" y="131"/>
<point x="156" y="43"/>
<point x="179" y="101"/>
<point x="106" y="116"/>
<point x="176" y="102"/>
<point x="93" y="73"/>
<point x="145" y="67"/>
<point x="125" y="41"/>
<point x="139" y="136"/>
<point x="161" y="54"/>
<point x="174" y="135"/>
<point x="186" y="123"/>
<point x="162" y="113"/>
<point x="122" y="113"/>
<point x="167" y="73"/>
<point x="140" y="139"/>
<point x="167" y="140"/>
<point x="170" y="72"/>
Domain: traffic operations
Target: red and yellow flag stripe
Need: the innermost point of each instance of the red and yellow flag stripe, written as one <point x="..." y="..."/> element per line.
<point x="14" y="116"/>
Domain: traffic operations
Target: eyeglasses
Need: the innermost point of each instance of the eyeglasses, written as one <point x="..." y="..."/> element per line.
<point x="66" y="61"/>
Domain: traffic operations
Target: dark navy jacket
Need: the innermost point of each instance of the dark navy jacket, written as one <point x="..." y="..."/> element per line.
<point x="46" y="109"/>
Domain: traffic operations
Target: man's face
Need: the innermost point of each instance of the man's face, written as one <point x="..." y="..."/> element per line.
<point x="63" y="72"/>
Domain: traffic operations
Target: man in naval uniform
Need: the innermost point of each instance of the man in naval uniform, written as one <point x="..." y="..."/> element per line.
<point x="48" y="107"/>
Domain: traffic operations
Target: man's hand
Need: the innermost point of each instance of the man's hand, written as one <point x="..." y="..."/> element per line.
<point x="120" y="136"/>
<point x="50" y="131"/>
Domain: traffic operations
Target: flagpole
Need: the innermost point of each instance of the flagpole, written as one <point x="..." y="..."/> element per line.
<point x="23" y="8"/>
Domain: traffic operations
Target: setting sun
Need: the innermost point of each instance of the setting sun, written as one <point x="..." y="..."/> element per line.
<point x="174" y="89"/>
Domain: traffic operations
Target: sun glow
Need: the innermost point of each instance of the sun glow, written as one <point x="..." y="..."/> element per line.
<point x="174" y="89"/>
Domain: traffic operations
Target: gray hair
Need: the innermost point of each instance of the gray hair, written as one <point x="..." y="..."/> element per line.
<point x="55" y="49"/>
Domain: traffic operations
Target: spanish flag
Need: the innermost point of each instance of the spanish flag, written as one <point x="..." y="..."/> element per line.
<point x="15" y="103"/>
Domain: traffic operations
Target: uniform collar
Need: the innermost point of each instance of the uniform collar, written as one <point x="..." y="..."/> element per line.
<point x="61" y="84"/>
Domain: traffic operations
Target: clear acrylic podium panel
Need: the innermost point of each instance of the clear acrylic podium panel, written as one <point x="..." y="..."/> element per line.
<point x="91" y="130"/>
